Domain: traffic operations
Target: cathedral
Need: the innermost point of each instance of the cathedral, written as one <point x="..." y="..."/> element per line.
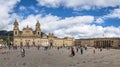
<point x="30" y="37"/>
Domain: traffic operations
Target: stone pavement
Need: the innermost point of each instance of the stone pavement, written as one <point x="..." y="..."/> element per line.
<point x="59" y="58"/>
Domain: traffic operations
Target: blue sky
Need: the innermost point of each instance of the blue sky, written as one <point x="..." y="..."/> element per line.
<point x="72" y="18"/>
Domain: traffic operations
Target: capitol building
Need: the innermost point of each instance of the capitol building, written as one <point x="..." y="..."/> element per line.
<point x="31" y="37"/>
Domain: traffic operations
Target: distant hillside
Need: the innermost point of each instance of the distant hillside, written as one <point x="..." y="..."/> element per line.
<point x="4" y="34"/>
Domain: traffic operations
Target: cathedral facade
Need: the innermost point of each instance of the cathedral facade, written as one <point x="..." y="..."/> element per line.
<point x="34" y="38"/>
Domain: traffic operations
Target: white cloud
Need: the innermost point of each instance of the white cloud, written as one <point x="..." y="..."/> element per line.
<point x="68" y="22"/>
<point x="6" y="6"/>
<point x="34" y="9"/>
<point x="99" y="20"/>
<point x="22" y="8"/>
<point x="50" y="23"/>
<point x="113" y="14"/>
<point x="79" y="4"/>
<point x="50" y="3"/>
<point x="112" y="31"/>
<point x="78" y="26"/>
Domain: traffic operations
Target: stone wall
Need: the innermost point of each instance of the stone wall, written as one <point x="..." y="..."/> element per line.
<point x="99" y="42"/>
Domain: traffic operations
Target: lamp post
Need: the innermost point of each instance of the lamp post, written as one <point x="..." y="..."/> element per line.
<point x="103" y="34"/>
<point x="8" y="40"/>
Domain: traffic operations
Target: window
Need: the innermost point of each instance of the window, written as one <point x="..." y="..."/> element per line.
<point x="15" y="32"/>
<point x="38" y="32"/>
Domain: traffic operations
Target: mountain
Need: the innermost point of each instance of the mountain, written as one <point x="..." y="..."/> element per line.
<point x="4" y="34"/>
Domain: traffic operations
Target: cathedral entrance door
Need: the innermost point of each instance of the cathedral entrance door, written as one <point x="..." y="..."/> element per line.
<point x="28" y="44"/>
<point x="51" y="44"/>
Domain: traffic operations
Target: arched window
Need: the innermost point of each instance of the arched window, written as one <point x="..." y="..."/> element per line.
<point x="38" y="33"/>
<point x="15" y="32"/>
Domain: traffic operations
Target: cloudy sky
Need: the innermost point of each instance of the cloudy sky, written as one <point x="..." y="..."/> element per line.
<point x="73" y="18"/>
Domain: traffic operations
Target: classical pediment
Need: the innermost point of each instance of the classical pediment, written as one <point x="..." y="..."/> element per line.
<point x="27" y="31"/>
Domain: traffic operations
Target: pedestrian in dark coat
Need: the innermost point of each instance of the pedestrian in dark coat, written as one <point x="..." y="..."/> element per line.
<point x="72" y="51"/>
<point x="81" y="50"/>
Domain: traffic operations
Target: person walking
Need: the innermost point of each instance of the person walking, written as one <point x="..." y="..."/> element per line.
<point x="94" y="51"/>
<point x="58" y="48"/>
<point x="81" y="50"/>
<point x="38" y="47"/>
<point x="100" y="49"/>
<point x="23" y="52"/>
<point x="77" y="49"/>
<point x="72" y="51"/>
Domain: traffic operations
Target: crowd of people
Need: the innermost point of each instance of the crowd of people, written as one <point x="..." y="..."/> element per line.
<point x="76" y="49"/>
<point x="73" y="49"/>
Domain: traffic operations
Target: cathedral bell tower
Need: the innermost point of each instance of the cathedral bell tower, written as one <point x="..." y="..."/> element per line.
<point x="38" y="31"/>
<point x="16" y="29"/>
